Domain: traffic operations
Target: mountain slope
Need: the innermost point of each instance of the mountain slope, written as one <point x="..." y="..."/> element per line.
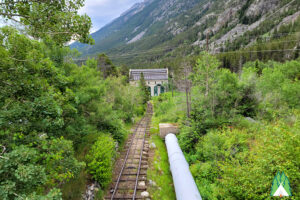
<point x="141" y="18"/>
<point x="162" y="27"/>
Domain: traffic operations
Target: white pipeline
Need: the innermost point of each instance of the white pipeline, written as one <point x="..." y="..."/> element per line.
<point x="185" y="186"/>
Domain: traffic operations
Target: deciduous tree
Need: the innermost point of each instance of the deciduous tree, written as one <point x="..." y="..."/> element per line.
<point x="57" y="19"/>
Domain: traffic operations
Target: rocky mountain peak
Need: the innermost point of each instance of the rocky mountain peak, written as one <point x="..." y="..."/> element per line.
<point x="158" y="23"/>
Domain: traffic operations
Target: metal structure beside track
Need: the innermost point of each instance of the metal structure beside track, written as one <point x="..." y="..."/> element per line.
<point x="184" y="184"/>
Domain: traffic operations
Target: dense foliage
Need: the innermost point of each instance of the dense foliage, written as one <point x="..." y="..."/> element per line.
<point x="259" y="111"/>
<point x="48" y="108"/>
<point x="144" y="88"/>
<point x="58" y="20"/>
<point x="243" y="128"/>
<point x="280" y="45"/>
<point x="220" y="97"/>
<point x="240" y="163"/>
<point x="100" y="160"/>
<point x="168" y="108"/>
<point x="159" y="173"/>
<point x="60" y="122"/>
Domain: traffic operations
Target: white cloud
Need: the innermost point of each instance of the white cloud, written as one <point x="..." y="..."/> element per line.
<point x="100" y="11"/>
<point x="104" y="11"/>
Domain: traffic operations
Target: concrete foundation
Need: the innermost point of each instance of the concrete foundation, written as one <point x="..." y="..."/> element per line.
<point x="166" y="128"/>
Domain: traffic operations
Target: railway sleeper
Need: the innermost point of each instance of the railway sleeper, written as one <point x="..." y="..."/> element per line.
<point x="125" y="179"/>
<point x="130" y="188"/>
<point x="134" y="171"/>
<point x="134" y="167"/>
<point x="126" y="197"/>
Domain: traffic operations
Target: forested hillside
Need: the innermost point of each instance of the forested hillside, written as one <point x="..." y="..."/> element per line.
<point x="233" y="91"/>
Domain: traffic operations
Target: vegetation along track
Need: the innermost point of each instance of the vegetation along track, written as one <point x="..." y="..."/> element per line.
<point x="132" y="167"/>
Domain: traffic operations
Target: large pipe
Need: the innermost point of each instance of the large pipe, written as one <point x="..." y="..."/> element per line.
<point x="185" y="186"/>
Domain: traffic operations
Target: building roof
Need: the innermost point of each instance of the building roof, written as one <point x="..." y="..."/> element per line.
<point x="149" y="74"/>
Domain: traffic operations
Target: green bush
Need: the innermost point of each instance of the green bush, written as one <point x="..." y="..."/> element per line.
<point x="45" y="98"/>
<point x="169" y="109"/>
<point x="100" y="160"/>
<point x="233" y="156"/>
<point x="58" y="157"/>
<point x="264" y="91"/>
<point x="275" y="87"/>
<point x="216" y="100"/>
<point x="241" y="163"/>
<point x="20" y="172"/>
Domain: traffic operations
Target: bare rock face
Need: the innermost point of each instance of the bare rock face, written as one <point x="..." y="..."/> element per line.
<point x="224" y="18"/>
<point x="137" y="37"/>
<point x="288" y="19"/>
<point x="205" y="18"/>
<point x="258" y="10"/>
<point x="261" y="7"/>
<point x="136" y="8"/>
<point x="168" y="8"/>
<point x="154" y="21"/>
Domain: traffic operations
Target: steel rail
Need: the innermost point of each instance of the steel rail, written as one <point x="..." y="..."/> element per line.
<point x="125" y="161"/>
<point x="140" y="161"/>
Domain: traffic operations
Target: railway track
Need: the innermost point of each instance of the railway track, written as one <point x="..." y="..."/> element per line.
<point x="131" y="171"/>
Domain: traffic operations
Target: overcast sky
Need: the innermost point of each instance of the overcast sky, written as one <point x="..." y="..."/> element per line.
<point x="104" y="11"/>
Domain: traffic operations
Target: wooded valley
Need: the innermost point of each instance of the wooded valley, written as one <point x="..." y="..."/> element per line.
<point x="66" y="113"/>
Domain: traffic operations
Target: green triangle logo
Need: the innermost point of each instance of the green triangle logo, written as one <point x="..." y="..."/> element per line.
<point x="281" y="186"/>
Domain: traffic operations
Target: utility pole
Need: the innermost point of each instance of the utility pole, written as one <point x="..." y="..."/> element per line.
<point x="172" y="84"/>
<point x="187" y="71"/>
<point x="240" y="65"/>
<point x="207" y="38"/>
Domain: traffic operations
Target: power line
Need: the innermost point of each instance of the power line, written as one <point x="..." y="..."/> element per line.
<point x="280" y="9"/>
<point x="171" y="48"/>
<point x="277" y="42"/>
<point x="164" y="48"/>
<point x="238" y="51"/>
<point x="258" y="51"/>
<point x="271" y="36"/>
<point x="228" y="52"/>
<point x="142" y="52"/>
<point x="157" y="50"/>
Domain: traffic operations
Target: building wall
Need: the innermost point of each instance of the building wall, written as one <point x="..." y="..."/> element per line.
<point x="152" y="84"/>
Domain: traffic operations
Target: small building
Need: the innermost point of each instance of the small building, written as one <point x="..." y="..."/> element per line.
<point x="156" y="79"/>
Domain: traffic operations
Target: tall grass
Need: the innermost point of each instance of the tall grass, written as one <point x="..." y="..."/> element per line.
<point x="168" y="109"/>
<point x="159" y="172"/>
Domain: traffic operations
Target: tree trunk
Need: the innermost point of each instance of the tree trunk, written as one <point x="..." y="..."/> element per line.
<point x="172" y="88"/>
<point x="187" y="102"/>
<point x="207" y="77"/>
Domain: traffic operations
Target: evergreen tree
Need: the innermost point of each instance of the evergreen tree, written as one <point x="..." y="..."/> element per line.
<point x="144" y="89"/>
<point x="106" y="66"/>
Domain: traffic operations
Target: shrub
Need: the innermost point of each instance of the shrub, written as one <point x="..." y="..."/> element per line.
<point x="216" y="94"/>
<point x="241" y="163"/>
<point x="100" y="160"/>
<point x="20" y="172"/>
